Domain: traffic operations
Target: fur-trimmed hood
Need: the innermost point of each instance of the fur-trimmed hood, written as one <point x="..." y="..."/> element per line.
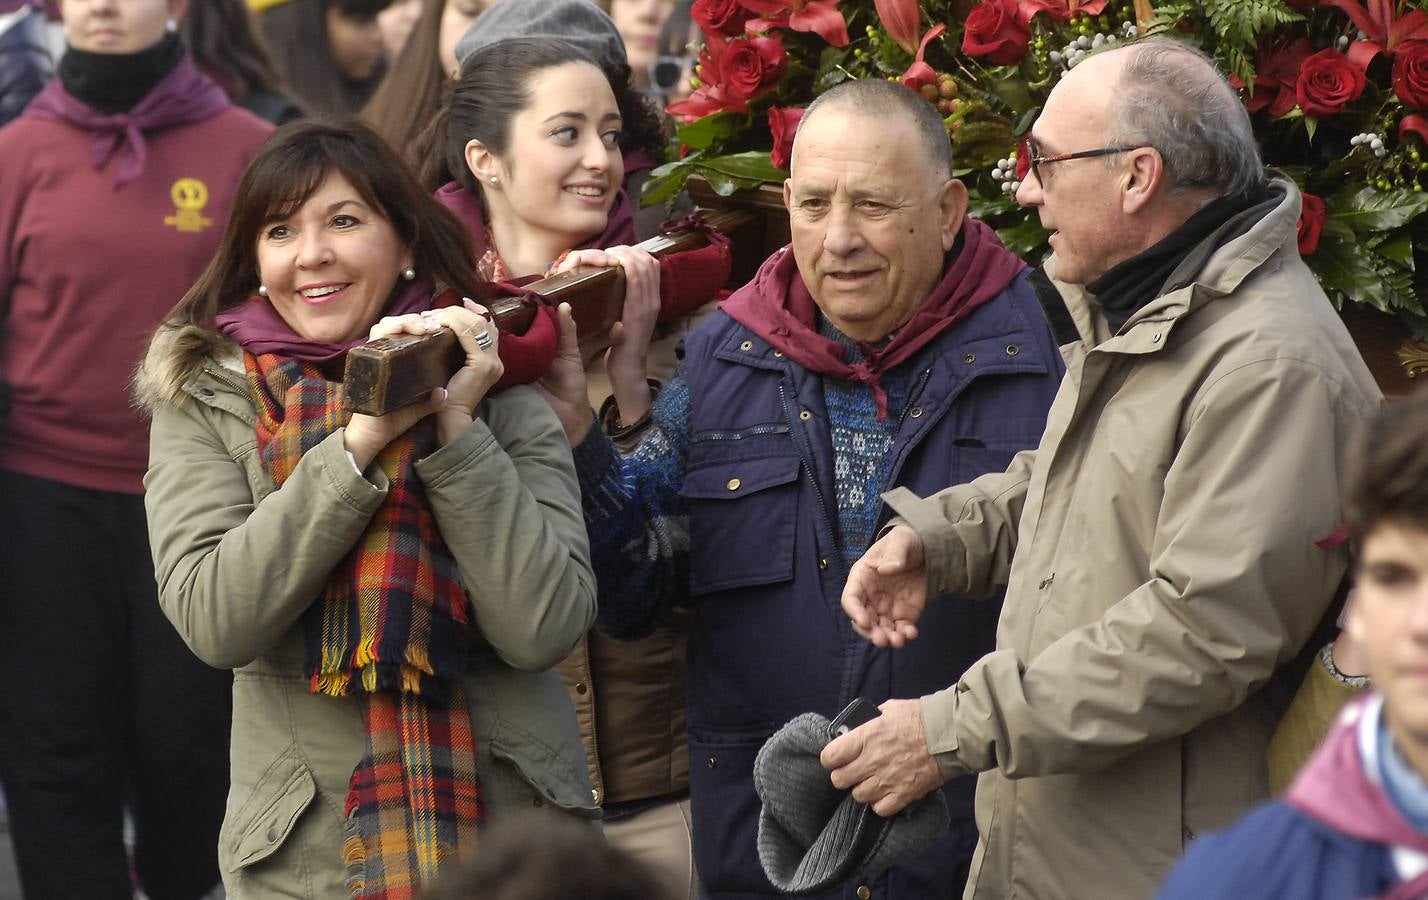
<point x="175" y="356"/>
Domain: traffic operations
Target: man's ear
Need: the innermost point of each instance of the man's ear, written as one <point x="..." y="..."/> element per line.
<point x="1143" y="180"/>
<point x="952" y="208"/>
<point x="482" y="163"/>
<point x="788" y="194"/>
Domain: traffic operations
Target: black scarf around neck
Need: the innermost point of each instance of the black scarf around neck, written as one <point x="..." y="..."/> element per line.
<point x="1132" y="283"/>
<point x="115" y="82"/>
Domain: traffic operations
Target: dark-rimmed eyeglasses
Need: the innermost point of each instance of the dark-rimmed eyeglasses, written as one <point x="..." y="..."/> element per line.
<point x="1036" y="159"/>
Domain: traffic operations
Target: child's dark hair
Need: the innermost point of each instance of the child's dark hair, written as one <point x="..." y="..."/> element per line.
<point x="495" y="86"/>
<point x="1388" y="468"/>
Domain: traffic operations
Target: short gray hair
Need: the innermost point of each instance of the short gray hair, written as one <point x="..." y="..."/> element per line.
<point x="876" y="97"/>
<point x="1172" y="98"/>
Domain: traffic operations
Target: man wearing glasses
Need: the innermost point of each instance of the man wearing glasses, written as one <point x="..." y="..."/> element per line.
<point x="1159" y="546"/>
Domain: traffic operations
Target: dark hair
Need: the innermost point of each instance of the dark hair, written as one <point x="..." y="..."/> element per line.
<point x="296" y="34"/>
<point x="289" y="169"/>
<point x="1388" y="468"/>
<point x="220" y="36"/>
<point x="535" y="858"/>
<point x="878" y="98"/>
<point x="411" y="92"/>
<point x="495" y="85"/>
<point x="675" y="33"/>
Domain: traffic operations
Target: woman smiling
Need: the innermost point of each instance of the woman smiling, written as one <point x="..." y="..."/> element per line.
<point x="531" y="154"/>
<point x="391" y="590"/>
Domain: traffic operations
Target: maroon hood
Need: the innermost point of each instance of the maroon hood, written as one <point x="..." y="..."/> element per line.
<point x="1335" y="788"/>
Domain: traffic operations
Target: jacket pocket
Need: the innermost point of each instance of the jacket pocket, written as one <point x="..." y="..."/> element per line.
<point x="266" y="819"/>
<point x="726" y="812"/>
<point x="545" y="769"/>
<point x="742" y="516"/>
<point x="970" y="458"/>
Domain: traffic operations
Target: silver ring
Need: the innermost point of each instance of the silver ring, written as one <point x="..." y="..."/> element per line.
<point x="483" y="339"/>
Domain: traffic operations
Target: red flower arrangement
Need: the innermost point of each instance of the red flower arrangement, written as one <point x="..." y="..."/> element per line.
<point x="1337" y="91"/>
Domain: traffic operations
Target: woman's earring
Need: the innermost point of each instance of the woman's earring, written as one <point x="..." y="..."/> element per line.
<point x="495" y="180"/>
<point x="409" y="273"/>
<point x="262" y="290"/>
<point x="171" y="24"/>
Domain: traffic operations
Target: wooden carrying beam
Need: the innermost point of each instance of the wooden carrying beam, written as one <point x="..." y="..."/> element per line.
<point x="389" y="373"/>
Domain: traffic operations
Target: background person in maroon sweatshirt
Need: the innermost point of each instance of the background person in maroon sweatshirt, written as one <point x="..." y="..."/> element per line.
<point x="114" y="187"/>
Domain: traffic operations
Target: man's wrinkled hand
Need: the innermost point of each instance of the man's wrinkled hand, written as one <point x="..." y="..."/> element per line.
<point x="887" y="589"/>
<point x="885" y="762"/>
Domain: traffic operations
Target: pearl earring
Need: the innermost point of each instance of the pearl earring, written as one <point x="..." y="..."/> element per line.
<point x="171" y="24"/>
<point x="409" y="273"/>
<point x="262" y="291"/>
<point x="495" y="180"/>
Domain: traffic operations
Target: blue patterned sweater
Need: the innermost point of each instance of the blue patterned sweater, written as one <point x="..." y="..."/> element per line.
<point x="638" y="523"/>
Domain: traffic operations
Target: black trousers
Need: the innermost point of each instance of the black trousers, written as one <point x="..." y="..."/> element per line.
<point x="102" y="707"/>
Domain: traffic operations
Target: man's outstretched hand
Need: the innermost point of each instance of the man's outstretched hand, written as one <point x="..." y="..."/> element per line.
<point x="887" y="589"/>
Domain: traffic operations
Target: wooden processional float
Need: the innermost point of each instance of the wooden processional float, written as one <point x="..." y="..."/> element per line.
<point x="389" y="373"/>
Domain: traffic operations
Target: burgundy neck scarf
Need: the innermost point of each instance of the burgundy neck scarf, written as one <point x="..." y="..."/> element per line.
<point x="777" y="307"/>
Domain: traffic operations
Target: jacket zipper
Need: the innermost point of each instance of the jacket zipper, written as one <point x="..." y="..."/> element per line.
<point x="896" y="469"/>
<point x="806" y="454"/>
<point x="740" y="434"/>
<point x="240" y="387"/>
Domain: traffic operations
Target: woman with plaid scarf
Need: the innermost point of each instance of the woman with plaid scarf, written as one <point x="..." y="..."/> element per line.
<point x="390" y="591"/>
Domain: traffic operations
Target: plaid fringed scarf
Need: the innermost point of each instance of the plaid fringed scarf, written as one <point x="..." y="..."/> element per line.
<point x="392" y="629"/>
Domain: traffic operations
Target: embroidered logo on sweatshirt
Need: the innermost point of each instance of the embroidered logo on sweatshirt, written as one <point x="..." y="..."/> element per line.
<point x="190" y="196"/>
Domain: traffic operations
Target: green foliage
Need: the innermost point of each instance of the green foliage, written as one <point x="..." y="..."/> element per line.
<point x="725" y="174"/>
<point x="701" y="134"/>
<point x="1366" y="209"/>
<point x="1238" y="25"/>
<point x="1366" y="254"/>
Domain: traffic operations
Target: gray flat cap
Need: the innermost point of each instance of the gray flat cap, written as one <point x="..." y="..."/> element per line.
<point x="812" y="835"/>
<point x="579" y="22"/>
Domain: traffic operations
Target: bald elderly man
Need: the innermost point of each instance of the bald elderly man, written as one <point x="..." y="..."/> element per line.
<point x="1159" y="548"/>
<point x="896" y="342"/>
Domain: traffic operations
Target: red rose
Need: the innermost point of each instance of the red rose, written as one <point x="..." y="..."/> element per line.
<point x="1311" y="223"/>
<point x="1327" y="83"/>
<point x="750" y="66"/>
<point x="726" y="17"/>
<point x="1410" y="74"/>
<point x="994" y="31"/>
<point x="783" y="122"/>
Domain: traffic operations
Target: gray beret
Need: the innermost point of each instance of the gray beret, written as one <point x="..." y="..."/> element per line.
<point x="578" y="22"/>
<point x="813" y="835"/>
